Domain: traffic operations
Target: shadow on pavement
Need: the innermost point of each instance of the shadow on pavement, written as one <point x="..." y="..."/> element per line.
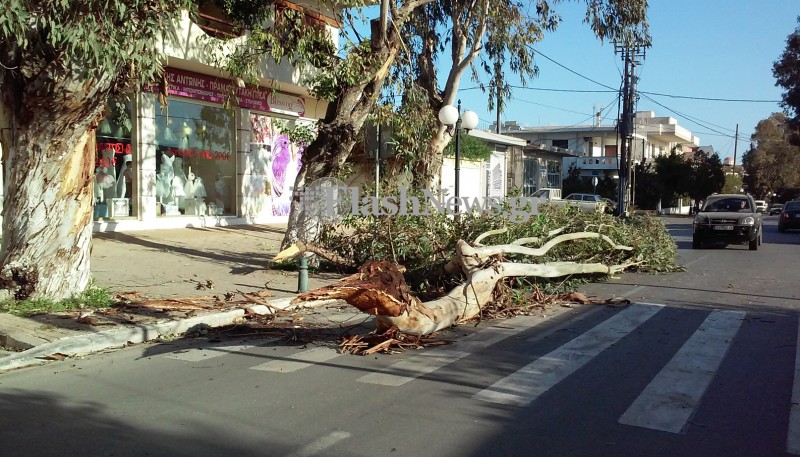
<point x="43" y="424"/>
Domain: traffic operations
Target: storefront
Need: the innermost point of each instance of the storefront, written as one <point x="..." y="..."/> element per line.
<point x="209" y="154"/>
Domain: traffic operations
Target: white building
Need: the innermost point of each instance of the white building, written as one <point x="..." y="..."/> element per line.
<point x="213" y="151"/>
<point x="597" y="145"/>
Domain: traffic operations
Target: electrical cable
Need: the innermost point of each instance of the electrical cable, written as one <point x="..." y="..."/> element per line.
<point x="689" y="118"/>
<point x="547" y="106"/>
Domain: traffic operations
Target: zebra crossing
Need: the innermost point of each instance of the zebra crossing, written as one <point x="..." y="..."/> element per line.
<point x="666" y="404"/>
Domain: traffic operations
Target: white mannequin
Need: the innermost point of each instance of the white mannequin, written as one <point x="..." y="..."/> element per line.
<point x="178" y="182"/>
<point x="110" y="170"/>
<point x="219" y="186"/>
<point x="164" y="180"/>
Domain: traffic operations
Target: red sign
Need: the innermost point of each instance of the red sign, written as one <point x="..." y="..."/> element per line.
<point x="218" y="90"/>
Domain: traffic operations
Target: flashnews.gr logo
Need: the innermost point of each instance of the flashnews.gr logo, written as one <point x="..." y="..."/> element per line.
<point x="330" y="200"/>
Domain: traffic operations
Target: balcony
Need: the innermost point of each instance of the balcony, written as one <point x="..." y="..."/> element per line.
<point x="596" y="163"/>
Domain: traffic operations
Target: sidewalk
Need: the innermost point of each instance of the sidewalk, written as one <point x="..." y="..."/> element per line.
<point x="196" y="275"/>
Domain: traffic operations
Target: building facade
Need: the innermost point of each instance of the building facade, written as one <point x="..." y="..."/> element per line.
<point x="594" y="149"/>
<point x="199" y="149"/>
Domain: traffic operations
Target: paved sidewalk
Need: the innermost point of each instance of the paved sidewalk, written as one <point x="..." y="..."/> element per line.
<point x="187" y="269"/>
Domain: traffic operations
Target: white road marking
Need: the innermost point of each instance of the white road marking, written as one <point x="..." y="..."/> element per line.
<point x="793" y="438"/>
<point x="198" y="354"/>
<point x="299" y="361"/>
<point x="536" y="378"/>
<point x="320" y="444"/>
<point x="429" y="361"/>
<point x="674" y="394"/>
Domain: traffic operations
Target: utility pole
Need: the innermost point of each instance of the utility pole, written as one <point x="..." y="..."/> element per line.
<point x="735" y="143"/>
<point x="631" y="55"/>
<point x="497" y="69"/>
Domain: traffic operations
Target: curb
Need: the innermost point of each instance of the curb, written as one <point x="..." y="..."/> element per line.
<point x="119" y="337"/>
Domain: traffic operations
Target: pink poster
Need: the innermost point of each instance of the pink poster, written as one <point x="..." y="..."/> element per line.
<point x="274" y="163"/>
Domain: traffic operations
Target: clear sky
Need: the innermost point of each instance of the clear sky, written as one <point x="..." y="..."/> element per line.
<point x="701" y="48"/>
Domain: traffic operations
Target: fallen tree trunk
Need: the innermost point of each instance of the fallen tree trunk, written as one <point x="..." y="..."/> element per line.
<point x="379" y="288"/>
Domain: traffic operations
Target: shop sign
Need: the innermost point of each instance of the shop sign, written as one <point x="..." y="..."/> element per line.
<point x="218" y="90"/>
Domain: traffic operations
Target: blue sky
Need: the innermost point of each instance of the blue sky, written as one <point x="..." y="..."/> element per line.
<point x="701" y="48"/>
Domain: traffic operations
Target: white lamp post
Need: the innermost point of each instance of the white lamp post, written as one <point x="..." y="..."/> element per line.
<point x="451" y="116"/>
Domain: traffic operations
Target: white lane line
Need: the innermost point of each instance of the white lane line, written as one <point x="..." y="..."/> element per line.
<point x="674" y="394"/>
<point x="536" y="378"/>
<point x="407" y="370"/>
<point x="299" y="361"/>
<point x="320" y="444"/>
<point x="198" y="354"/>
<point x="793" y="438"/>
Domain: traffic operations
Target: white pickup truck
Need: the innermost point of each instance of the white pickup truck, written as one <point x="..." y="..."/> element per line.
<point x="586" y="202"/>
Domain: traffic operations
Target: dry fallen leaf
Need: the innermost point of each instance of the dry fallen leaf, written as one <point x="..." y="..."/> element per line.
<point x="57" y="356"/>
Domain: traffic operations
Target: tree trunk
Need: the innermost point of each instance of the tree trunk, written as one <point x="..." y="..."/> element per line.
<point x="380" y="289"/>
<point x="49" y="153"/>
<point x="428" y="167"/>
<point x="344" y="120"/>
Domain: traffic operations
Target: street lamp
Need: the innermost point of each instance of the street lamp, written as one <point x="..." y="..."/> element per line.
<point x="453" y="118"/>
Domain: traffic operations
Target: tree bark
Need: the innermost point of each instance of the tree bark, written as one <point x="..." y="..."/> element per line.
<point x="345" y="119"/>
<point x="49" y="153"/>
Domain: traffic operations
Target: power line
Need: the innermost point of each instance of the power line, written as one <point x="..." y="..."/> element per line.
<point x="713" y="99"/>
<point x="547" y="106"/>
<point x="592" y="116"/>
<point x="569" y="69"/>
<point x="689" y="118"/>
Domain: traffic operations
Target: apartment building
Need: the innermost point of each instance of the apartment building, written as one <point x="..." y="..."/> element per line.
<point x="594" y="149"/>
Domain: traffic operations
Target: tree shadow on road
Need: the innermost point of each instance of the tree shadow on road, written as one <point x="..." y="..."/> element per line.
<point x="36" y="423"/>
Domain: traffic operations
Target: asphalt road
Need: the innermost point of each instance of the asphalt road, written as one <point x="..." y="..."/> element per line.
<point x="702" y="365"/>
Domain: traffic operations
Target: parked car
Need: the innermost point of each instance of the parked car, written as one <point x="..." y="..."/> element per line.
<point x="585" y="197"/>
<point x="586" y="202"/>
<point x="761" y="206"/>
<point x="790" y="216"/>
<point x="776" y="208"/>
<point x="728" y="218"/>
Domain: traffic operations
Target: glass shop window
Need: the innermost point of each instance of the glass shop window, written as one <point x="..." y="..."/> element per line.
<point x="114" y="188"/>
<point x="195" y="160"/>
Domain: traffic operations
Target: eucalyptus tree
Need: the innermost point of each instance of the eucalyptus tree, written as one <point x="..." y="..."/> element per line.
<point x="60" y="61"/>
<point x="495" y="36"/>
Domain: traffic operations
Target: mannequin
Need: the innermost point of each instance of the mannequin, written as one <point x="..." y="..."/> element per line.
<point x="178" y="182"/>
<point x="195" y="194"/>
<point x="124" y="180"/>
<point x="102" y="182"/>
<point x="110" y="170"/>
<point x="164" y="181"/>
<point x="219" y="187"/>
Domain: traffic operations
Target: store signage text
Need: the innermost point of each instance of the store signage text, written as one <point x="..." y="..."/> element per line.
<point x="218" y="90"/>
<point x="118" y="148"/>
<point x="198" y="153"/>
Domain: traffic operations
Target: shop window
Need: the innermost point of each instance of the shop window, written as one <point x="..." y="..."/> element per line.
<point x="273" y="163"/>
<point x="195" y="160"/>
<point x="114" y="189"/>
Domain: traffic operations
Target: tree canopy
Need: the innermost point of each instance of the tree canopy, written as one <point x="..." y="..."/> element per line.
<point x="787" y="74"/>
<point x="773" y="162"/>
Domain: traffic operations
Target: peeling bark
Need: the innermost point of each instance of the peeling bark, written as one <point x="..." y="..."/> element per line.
<point x="49" y="153"/>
